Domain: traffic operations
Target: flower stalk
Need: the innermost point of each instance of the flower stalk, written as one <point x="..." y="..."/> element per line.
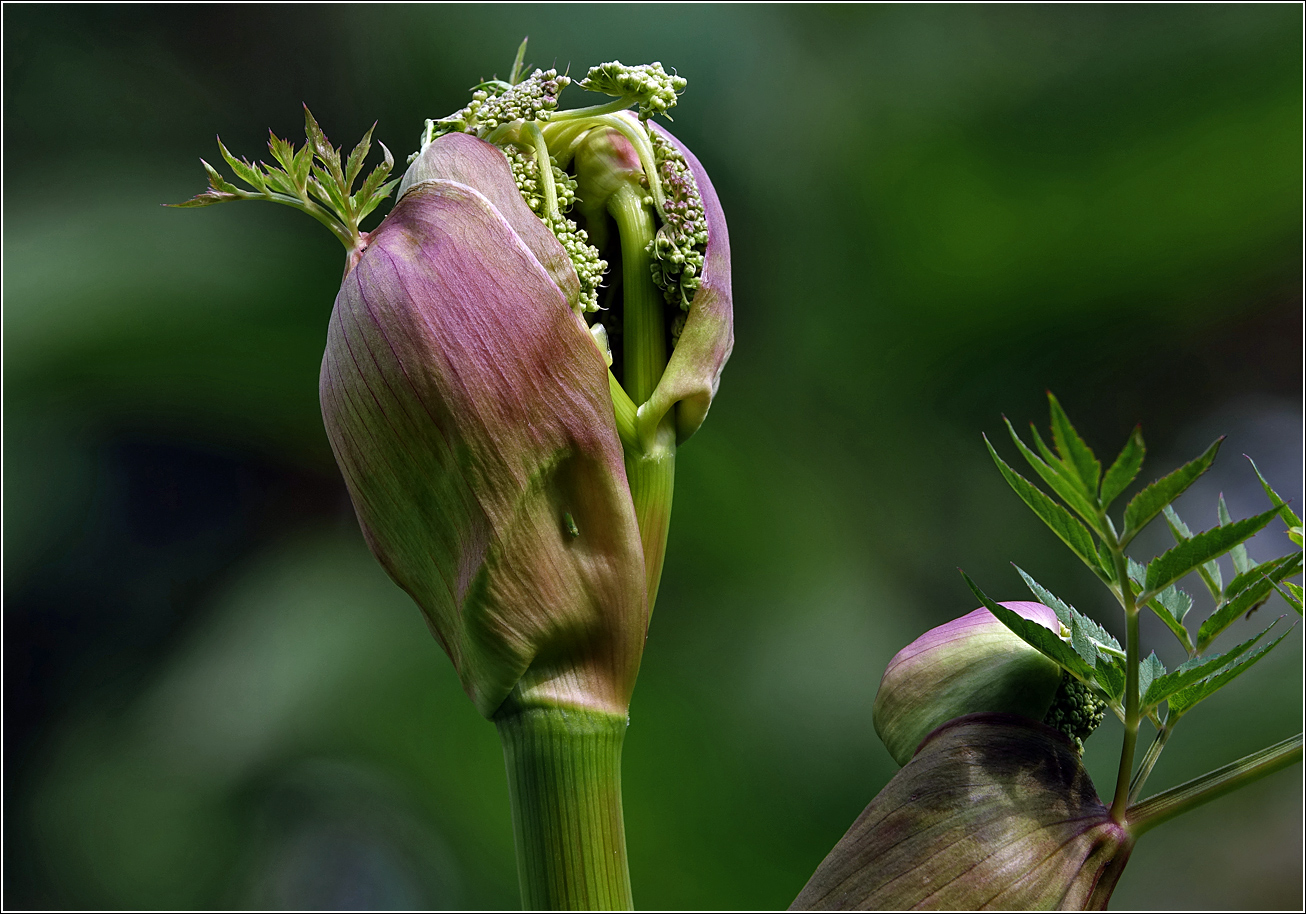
<point x="1153" y="811"/>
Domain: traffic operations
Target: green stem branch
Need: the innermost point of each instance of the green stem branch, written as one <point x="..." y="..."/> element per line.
<point x="1119" y="805"/>
<point x="571" y="114"/>
<point x="1149" y="759"/>
<point x="1177" y="800"/>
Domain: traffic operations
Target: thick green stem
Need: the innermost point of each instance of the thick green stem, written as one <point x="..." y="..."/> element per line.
<point x="564" y="782"/>
<point x="1120" y="804"/>
<point x="652" y="477"/>
<point x="644" y="328"/>
<point x="625" y="411"/>
<point x="650" y="471"/>
<point x="1177" y="800"/>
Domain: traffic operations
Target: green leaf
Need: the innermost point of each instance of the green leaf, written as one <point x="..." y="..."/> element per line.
<point x="1125" y="468"/>
<point x="381" y="194"/>
<point x="1183" y="701"/>
<point x="1137" y="571"/>
<point x="324" y="187"/>
<point x="243" y="169"/>
<point x="515" y="76"/>
<point x="1242" y="562"/>
<point x="1105" y="562"/>
<point x="1148" y="503"/>
<point x="220" y="184"/>
<point x="372" y="184"/>
<point x="1043" y="449"/>
<point x="1070" y="531"/>
<point x="1081" y="642"/>
<point x="283" y="151"/>
<point x="279" y="181"/>
<point x="1248" y="599"/>
<point x="1210" y="571"/>
<point x="1289" y="516"/>
<point x="354" y="164"/>
<point x="1086" y="636"/>
<point x="1036" y="636"/>
<point x="1196" y="669"/>
<point x="1201" y="550"/>
<point x="1069" y="488"/>
<point x="1185" y="556"/>
<point x="1110" y="676"/>
<point x="1170" y="606"/>
<point x="1074" y="451"/>
<point x="1176" y="602"/>
<point x="208" y="198"/>
<point x="322" y="148"/>
<point x="1149" y="671"/>
<point x="302" y="165"/>
<point x="1268" y="567"/>
<point x="1103" y="638"/>
<point x="1293" y="595"/>
<point x="1065" y="612"/>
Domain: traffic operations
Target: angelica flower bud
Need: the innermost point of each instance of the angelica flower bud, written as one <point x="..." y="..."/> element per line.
<point x="969" y="665"/>
<point x="467" y="405"/>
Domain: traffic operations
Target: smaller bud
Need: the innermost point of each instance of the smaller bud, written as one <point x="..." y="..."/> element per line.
<point x="973" y="664"/>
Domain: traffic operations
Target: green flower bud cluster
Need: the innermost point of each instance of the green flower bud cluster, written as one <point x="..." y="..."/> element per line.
<point x="535" y="98"/>
<point x="680" y="244"/>
<point x="575" y="241"/>
<point x="653" y="87"/>
<point x="1076" y="711"/>
<point x="584" y="257"/>
<point x="526" y="171"/>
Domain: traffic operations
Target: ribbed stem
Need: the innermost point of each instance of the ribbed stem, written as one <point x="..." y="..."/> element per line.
<point x="652" y="477"/>
<point x="564" y="782"/>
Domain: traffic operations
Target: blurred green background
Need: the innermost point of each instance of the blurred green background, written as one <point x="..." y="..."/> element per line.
<point x="213" y="695"/>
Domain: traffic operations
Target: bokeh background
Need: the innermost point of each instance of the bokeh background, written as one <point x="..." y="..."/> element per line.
<point x="214" y="697"/>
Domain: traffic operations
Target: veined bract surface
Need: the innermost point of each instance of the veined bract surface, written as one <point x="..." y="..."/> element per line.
<point x="468" y="409"/>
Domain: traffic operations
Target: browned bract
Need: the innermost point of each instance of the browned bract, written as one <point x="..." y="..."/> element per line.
<point x="994" y="812"/>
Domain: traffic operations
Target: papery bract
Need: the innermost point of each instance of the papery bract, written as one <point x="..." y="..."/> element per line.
<point x="969" y="665"/>
<point x="468" y="409"/>
<point x="994" y="812"/>
<point x="694" y="371"/>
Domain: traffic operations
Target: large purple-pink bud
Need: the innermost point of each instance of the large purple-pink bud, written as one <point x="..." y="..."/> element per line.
<point x="469" y="412"/>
